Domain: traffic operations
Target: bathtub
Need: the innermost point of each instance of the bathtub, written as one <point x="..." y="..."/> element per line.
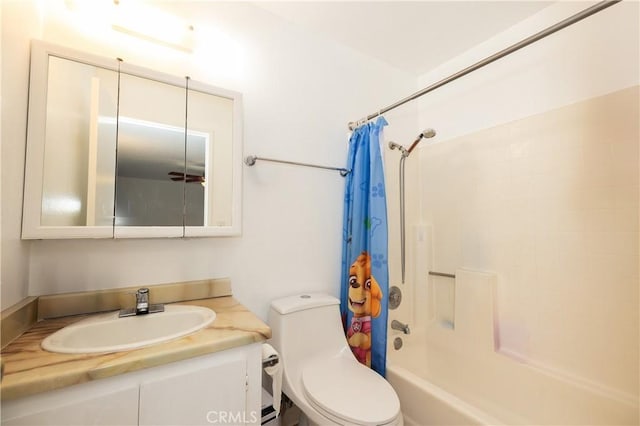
<point x="446" y="374"/>
<point x="423" y="402"/>
<point x="459" y="387"/>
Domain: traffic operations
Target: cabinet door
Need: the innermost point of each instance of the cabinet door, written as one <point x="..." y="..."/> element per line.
<point x="80" y="405"/>
<point x="211" y="390"/>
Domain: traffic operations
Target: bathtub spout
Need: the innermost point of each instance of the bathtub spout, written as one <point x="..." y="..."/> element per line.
<point x="397" y="325"/>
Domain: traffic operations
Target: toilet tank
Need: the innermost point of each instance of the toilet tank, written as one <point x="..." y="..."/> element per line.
<point x="305" y="326"/>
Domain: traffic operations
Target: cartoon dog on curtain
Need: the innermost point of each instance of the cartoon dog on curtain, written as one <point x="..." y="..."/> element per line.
<point x="364" y="301"/>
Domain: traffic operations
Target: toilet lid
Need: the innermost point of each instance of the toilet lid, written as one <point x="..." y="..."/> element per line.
<point x="350" y="391"/>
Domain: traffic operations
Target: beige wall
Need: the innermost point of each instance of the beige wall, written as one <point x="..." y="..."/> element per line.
<point x="550" y="203"/>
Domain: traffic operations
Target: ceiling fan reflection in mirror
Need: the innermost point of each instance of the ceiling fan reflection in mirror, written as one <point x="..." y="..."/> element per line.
<point x="188" y="178"/>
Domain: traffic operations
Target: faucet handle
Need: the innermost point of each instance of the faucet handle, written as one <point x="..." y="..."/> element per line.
<point x="142" y="301"/>
<point x="142" y="305"/>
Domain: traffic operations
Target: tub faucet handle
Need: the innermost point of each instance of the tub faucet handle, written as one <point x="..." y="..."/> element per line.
<point x="397" y="325"/>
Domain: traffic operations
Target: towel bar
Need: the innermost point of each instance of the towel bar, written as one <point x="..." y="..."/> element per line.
<point x="442" y="274"/>
<point x="250" y="160"/>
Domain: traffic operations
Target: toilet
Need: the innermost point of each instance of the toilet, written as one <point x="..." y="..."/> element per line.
<point x="320" y="374"/>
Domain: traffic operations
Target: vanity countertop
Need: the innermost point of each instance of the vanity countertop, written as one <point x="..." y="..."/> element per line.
<point x="28" y="369"/>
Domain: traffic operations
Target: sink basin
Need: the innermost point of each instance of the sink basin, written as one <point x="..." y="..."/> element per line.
<point x="109" y="333"/>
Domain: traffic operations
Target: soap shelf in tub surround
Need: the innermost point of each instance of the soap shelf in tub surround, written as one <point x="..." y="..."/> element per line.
<point x="28" y="369"/>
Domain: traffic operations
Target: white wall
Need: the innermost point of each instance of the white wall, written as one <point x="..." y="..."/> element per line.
<point x="0" y="161"/>
<point x="19" y="22"/>
<point x="299" y="93"/>
<point x="545" y="197"/>
<point x="593" y="57"/>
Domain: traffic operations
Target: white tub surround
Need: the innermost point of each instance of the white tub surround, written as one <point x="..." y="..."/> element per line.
<point x="451" y="373"/>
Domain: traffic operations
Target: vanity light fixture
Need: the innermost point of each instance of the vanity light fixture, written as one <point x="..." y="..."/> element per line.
<point x="153" y="25"/>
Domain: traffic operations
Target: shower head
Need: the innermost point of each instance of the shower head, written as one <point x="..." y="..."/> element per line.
<point x="427" y="133"/>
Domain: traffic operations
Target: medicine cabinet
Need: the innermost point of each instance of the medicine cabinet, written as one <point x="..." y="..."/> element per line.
<point x="119" y="151"/>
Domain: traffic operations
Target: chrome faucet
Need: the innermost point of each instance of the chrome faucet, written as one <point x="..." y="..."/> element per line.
<point x="142" y="301"/>
<point x="397" y="325"/>
<point x="143" y="306"/>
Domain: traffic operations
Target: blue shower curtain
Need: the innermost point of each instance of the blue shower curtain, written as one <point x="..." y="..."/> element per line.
<point x="365" y="273"/>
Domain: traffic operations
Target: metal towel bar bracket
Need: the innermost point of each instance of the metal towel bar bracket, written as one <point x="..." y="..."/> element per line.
<point x="250" y="160"/>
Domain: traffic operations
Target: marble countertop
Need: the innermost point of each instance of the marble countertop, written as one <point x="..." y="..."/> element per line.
<point x="28" y="369"/>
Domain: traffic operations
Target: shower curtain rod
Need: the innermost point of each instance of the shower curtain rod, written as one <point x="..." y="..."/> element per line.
<point x="517" y="46"/>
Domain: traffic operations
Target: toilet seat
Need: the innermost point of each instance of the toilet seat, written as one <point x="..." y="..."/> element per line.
<point x="348" y="392"/>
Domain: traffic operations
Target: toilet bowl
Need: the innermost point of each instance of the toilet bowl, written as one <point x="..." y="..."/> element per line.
<point x="320" y="374"/>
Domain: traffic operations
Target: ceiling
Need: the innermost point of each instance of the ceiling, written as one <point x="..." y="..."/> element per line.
<point x="414" y="36"/>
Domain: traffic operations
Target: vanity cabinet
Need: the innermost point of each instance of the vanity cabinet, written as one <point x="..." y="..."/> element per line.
<point x="105" y="405"/>
<point x="219" y="388"/>
<point x="197" y="394"/>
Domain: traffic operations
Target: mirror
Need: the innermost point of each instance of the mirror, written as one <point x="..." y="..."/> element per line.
<point x="74" y="193"/>
<point x="210" y="155"/>
<point x="151" y="145"/>
<point x="114" y="150"/>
